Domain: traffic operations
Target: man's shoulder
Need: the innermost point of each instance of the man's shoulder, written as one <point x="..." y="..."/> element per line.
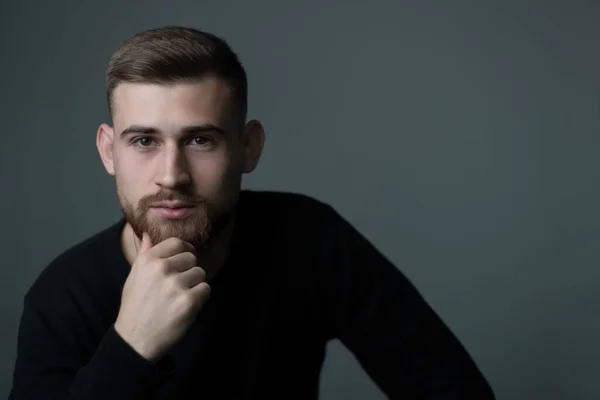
<point x="291" y="217"/>
<point x="79" y="261"/>
<point x="282" y="204"/>
<point x="104" y="241"/>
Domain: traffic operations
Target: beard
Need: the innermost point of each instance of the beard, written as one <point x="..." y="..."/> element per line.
<point x="198" y="228"/>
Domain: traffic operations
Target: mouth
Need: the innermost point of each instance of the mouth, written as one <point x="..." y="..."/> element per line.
<point x="174" y="204"/>
<point x="172" y="210"/>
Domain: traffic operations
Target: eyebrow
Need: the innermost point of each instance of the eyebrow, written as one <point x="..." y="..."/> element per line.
<point x="188" y="130"/>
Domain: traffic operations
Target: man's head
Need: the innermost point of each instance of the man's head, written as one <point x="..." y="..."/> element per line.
<point x="179" y="143"/>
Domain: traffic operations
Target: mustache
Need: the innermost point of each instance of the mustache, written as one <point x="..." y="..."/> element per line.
<point x="190" y="198"/>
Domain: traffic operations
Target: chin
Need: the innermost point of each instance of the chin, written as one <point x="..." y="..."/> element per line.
<point x="192" y="230"/>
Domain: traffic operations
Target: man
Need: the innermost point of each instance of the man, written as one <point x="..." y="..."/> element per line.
<point x="205" y="291"/>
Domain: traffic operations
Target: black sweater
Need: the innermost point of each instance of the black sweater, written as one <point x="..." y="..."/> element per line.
<point x="298" y="276"/>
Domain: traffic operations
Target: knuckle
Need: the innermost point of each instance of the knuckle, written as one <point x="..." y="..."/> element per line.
<point x="204" y="290"/>
<point x="191" y="247"/>
<point x="170" y="241"/>
<point x="176" y="243"/>
<point x="182" y="246"/>
<point x="143" y="258"/>
<point x="174" y="286"/>
<point x="189" y="301"/>
<point x="200" y="273"/>
<point x="192" y="258"/>
<point x="161" y="266"/>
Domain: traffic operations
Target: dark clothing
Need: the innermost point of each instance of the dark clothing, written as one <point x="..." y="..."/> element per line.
<point x="298" y="276"/>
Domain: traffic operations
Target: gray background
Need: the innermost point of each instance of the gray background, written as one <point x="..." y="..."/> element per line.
<point x="461" y="137"/>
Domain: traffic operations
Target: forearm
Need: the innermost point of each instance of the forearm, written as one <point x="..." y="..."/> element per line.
<point x="53" y="363"/>
<point x="413" y="354"/>
<point x="395" y="334"/>
<point x="115" y="371"/>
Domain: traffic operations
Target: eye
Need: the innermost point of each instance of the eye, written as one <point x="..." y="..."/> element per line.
<point x="143" y="141"/>
<point x="201" y="141"/>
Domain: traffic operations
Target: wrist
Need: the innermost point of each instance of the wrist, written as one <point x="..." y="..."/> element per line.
<point x="141" y="347"/>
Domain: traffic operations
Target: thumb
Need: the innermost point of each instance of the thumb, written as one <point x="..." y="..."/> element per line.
<point x="146" y="243"/>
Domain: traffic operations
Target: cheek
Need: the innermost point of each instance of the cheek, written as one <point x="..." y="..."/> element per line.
<point x="209" y="171"/>
<point x="216" y="174"/>
<point x="130" y="178"/>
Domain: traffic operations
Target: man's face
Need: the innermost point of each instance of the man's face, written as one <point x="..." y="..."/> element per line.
<point x="177" y="155"/>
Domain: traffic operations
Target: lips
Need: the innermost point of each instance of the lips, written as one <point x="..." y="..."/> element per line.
<point x="172" y="210"/>
<point x="171" y="204"/>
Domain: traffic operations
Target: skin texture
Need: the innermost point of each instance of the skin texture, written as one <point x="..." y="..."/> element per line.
<point x="180" y="144"/>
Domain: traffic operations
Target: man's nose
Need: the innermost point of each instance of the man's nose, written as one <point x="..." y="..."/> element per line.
<point x="174" y="168"/>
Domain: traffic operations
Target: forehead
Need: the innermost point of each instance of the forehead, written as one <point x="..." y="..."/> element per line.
<point x="203" y="101"/>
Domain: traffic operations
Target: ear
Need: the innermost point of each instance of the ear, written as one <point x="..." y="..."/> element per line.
<point x="104" y="143"/>
<point x="253" y="140"/>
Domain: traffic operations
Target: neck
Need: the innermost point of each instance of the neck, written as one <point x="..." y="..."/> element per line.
<point x="211" y="258"/>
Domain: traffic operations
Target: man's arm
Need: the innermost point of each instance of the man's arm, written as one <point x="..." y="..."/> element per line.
<point x="395" y="335"/>
<point x="53" y="362"/>
<point x="64" y="349"/>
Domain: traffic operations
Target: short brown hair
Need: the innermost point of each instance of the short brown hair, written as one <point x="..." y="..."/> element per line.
<point x="176" y="54"/>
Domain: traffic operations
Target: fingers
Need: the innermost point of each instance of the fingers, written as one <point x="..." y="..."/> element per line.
<point x="146" y="243"/>
<point x="180" y="262"/>
<point x="200" y="294"/>
<point x="192" y="277"/>
<point x="170" y="247"/>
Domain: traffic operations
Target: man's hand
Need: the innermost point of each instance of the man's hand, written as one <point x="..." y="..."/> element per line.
<point x="163" y="293"/>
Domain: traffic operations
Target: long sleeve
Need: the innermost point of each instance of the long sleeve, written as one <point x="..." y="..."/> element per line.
<point x="54" y="362"/>
<point x="395" y="335"/>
